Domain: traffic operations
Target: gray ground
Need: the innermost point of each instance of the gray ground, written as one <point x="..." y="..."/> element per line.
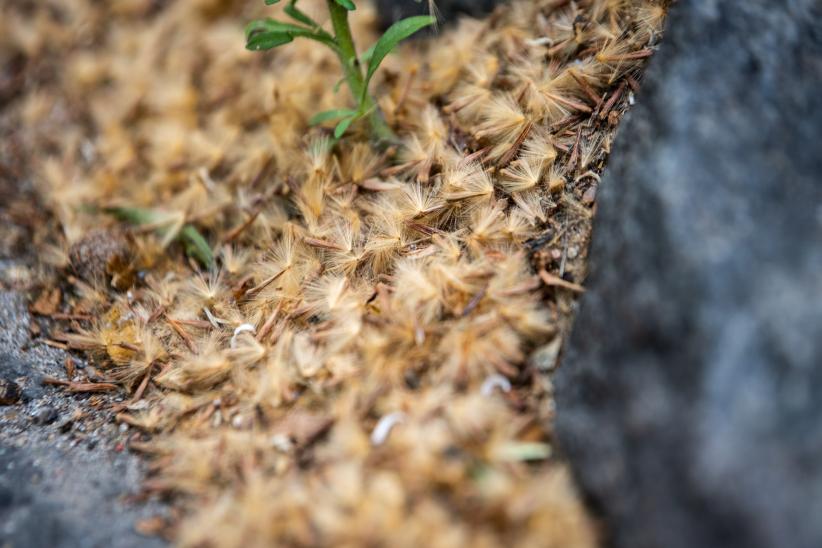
<point x="65" y="481"/>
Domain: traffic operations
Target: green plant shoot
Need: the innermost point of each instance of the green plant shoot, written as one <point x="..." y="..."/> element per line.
<point x="266" y="34"/>
<point x="169" y="227"/>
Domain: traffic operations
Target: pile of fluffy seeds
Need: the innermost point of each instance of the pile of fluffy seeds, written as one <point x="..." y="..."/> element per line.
<point x="367" y="361"/>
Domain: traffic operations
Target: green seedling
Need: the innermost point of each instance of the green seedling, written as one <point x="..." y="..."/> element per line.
<point x="169" y="227"/>
<point x="358" y="71"/>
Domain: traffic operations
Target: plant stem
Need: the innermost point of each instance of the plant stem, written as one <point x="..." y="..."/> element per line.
<point x="347" y="53"/>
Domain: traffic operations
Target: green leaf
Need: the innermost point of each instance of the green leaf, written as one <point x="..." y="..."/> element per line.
<point x="133" y="215"/>
<point x="328" y="115"/>
<point x="395" y="34"/>
<point x="255" y="26"/>
<point x="365" y="58"/>
<point x="267" y="40"/>
<point x="272" y="25"/>
<point x="347" y="4"/>
<point x="298" y="15"/>
<point x="343" y="126"/>
<point x="269" y="33"/>
<point x="271" y="2"/>
<point x="196" y="246"/>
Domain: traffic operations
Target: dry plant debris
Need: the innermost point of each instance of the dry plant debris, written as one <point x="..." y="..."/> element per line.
<point x="367" y="362"/>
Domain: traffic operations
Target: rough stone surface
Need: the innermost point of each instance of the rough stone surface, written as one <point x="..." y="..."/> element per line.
<point x="691" y="395"/>
<point x="393" y="10"/>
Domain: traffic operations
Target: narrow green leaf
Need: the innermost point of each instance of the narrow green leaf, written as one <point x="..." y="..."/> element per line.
<point x="255" y="26"/>
<point x="395" y="34"/>
<point x="271" y="2"/>
<point x="343" y="126"/>
<point x="272" y="25"/>
<point x="267" y="40"/>
<point x="365" y="58"/>
<point x="278" y="31"/>
<point x="133" y="215"/>
<point x="347" y="4"/>
<point x="298" y="15"/>
<point x="328" y="115"/>
<point x="196" y="245"/>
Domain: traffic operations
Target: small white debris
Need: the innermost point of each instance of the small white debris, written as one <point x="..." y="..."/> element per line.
<point x="141" y="405"/>
<point x="495" y="381"/>
<point x="380" y="433"/>
<point x="281" y="443"/>
<point x="244" y="328"/>
<point x="544" y="41"/>
<point x="545" y="358"/>
<point x="573" y="252"/>
<point x="88" y="151"/>
<point x="215" y="321"/>
<point x="523" y="451"/>
<point x="206" y="178"/>
<point x="631" y="99"/>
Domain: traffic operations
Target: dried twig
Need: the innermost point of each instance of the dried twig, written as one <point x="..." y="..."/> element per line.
<point x="189" y="342"/>
<point x="80" y="386"/>
<point x="235" y="232"/>
<point x="612" y="101"/>
<point x="506" y="159"/>
<point x="556" y="281"/>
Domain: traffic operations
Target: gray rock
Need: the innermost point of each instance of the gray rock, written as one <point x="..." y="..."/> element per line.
<point x="393" y="10"/>
<point x="46" y="415"/>
<point x="14" y="367"/>
<point x="690" y="399"/>
<point x="9" y="392"/>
